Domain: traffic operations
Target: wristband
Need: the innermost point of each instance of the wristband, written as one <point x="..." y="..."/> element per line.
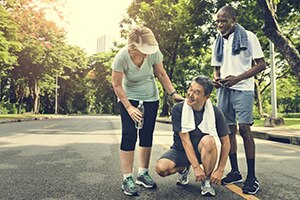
<point x="172" y="93"/>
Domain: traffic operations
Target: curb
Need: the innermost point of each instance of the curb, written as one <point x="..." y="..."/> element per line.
<point x="295" y="140"/>
<point x="277" y="138"/>
<point x="289" y="139"/>
<point x="23" y="120"/>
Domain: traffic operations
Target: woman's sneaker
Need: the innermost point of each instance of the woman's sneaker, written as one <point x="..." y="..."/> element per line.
<point x="232" y="177"/>
<point x="145" y="180"/>
<point x="128" y="187"/>
<point x="183" y="177"/>
<point x="251" y="186"/>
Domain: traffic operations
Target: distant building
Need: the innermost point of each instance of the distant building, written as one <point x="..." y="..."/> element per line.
<point x="105" y="43"/>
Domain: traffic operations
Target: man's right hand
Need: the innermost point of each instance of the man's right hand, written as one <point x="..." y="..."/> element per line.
<point x="199" y="174"/>
<point x="216" y="82"/>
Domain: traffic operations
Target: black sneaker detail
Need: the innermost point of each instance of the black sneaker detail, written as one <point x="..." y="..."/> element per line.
<point x="251" y="186"/>
<point x="232" y="177"/>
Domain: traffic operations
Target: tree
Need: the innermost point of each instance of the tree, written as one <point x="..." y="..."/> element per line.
<point x="9" y="45"/>
<point x="73" y="87"/>
<point x="39" y="38"/>
<point x="179" y="27"/>
<point x="273" y="32"/>
<point x="101" y="91"/>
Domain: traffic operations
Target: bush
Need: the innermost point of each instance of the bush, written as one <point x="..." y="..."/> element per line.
<point x="9" y="108"/>
<point x="291" y="115"/>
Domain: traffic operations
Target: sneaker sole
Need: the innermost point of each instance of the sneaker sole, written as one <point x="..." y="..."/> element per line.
<point x="247" y="192"/>
<point x="182" y="183"/>
<point x="129" y="193"/>
<point x="146" y="186"/>
<point x="233" y="182"/>
<point x="207" y="194"/>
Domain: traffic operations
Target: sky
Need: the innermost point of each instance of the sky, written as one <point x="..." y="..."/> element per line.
<point x="89" y="19"/>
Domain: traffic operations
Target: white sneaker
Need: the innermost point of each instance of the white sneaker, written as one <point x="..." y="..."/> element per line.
<point x="207" y="189"/>
<point x="183" y="178"/>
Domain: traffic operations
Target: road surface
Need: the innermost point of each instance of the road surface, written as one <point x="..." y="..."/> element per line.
<point x="77" y="158"/>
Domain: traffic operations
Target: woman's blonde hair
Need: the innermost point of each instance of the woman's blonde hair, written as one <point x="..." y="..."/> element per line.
<point x="141" y="35"/>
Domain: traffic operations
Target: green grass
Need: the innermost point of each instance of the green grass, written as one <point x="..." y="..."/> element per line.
<point x="292" y="123"/>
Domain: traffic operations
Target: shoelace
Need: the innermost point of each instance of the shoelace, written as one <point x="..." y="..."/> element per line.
<point x="130" y="182"/>
<point x="207" y="184"/>
<point x="231" y="173"/>
<point x="147" y="176"/>
<point x="184" y="175"/>
<point x="248" y="182"/>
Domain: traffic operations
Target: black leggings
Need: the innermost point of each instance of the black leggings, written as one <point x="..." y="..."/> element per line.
<point x="129" y="132"/>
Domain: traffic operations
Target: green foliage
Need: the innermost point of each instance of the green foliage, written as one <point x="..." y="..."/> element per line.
<point x="8" y="40"/>
<point x="9" y="108"/>
<point x="103" y="99"/>
<point x="183" y="32"/>
<point x="72" y="84"/>
<point x="291" y="115"/>
<point x="288" y="95"/>
<point x="33" y="51"/>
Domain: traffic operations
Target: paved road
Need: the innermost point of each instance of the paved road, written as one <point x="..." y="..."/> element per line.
<point x="77" y="158"/>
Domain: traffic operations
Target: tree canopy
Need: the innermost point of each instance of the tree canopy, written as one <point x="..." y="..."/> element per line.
<point x="34" y="53"/>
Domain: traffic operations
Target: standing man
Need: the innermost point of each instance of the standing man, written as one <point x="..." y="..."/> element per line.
<point x="237" y="57"/>
<point x="196" y="122"/>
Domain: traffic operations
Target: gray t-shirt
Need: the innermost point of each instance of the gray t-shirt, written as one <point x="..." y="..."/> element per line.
<point x="196" y="135"/>
<point x="138" y="83"/>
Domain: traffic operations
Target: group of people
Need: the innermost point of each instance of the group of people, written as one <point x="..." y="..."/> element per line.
<point x="204" y="134"/>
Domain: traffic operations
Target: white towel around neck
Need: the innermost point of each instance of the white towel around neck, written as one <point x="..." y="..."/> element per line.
<point x="208" y="124"/>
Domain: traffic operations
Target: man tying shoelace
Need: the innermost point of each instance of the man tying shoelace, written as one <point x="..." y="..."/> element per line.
<point x="198" y="129"/>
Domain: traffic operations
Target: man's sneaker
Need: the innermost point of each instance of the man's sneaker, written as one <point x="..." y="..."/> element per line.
<point x="207" y="189"/>
<point x="183" y="177"/>
<point x="128" y="187"/>
<point x="145" y="180"/>
<point x="251" y="186"/>
<point x="232" y="177"/>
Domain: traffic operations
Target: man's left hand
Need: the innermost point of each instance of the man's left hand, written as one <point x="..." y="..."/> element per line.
<point x="216" y="177"/>
<point x="230" y="81"/>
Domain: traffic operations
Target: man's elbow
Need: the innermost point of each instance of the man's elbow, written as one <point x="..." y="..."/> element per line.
<point x="226" y="143"/>
<point x="262" y="65"/>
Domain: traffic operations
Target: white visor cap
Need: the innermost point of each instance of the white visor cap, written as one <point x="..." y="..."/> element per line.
<point x="147" y="49"/>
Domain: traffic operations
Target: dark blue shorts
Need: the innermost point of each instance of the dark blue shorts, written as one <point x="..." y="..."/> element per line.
<point x="179" y="157"/>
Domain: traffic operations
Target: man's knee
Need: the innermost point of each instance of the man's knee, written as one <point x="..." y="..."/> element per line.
<point x="244" y="130"/>
<point x="162" y="168"/>
<point x="208" y="142"/>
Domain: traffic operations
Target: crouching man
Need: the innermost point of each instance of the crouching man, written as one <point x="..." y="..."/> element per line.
<point x="196" y="125"/>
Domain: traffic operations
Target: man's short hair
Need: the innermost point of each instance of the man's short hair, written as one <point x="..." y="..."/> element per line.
<point x="206" y="83"/>
<point x="230" y="10"/>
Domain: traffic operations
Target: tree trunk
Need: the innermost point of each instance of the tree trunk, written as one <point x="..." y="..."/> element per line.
<point x="272" y="31"/>
<point x="259" y="101"/>
<point x="167" y="104"/>
<point x="35" y="95"/>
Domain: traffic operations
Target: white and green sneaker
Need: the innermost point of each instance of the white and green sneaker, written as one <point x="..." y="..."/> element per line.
<point x="183" y="177"/>
<point x="145" y="180"/>
<point x="128" y="187"/>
